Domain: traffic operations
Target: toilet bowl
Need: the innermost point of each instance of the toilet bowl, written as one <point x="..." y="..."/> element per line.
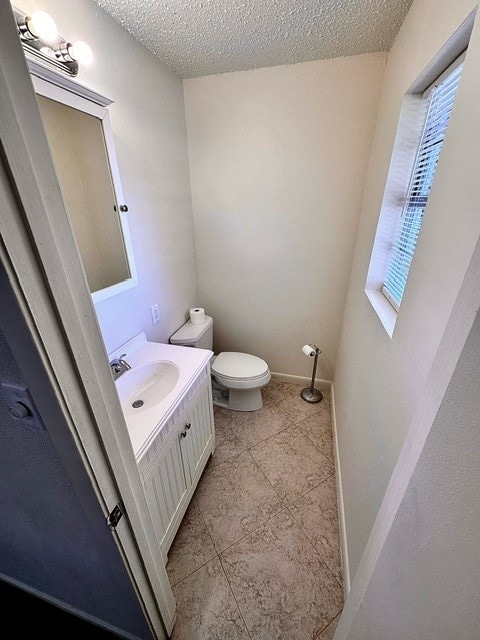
<point x="243" y="376"/>
<point x="237" y="377"/>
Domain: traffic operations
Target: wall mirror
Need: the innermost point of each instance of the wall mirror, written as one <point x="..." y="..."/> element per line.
<point x="81" y="142"/>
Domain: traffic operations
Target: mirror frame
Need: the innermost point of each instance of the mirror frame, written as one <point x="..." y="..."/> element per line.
<point x="49" y="84"/>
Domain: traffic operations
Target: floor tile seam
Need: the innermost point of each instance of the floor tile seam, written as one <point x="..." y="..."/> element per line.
<point x="207" y="529"/>
<point x="310" y="491"/>
<point x="285" y="504"/>
<point x="287" y="396"/>
<point x="275" y="404"/>
<point x="315" y="413"/>
<point x="288" y="504"/>
<point x="316" y="446"/>
<point x="254" y="462"/>
<point x="268" y="438"/>
<point x="289" y="426"/>
<point x="295" y="424"/>
<point x="326" y="626"/>
<point x="287" y="509"/>
<point x="174" y="584"/>
<point x="284" y="508"/>
<point x="281" y="499"/>
<point x="332" y="462"/>
<point x="282" y="503"/>
<point x="340" y="584"/>
<point x="329" y="409"/>
<point x="235" y="455"/>
<point x="235" y="598"/>
<point x="324" y="562"/>
<point x="283" y="410"/>
<point x="227" y="418"/>
<point x="324" y="403"/>
<point x="284" y="416"/>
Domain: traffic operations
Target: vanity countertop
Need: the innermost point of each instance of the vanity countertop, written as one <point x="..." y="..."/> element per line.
<point x="144" y="425"/>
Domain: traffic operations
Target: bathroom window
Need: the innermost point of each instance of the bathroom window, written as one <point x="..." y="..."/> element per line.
<point x="440" y="97"/>
<point x="422" y="126"/>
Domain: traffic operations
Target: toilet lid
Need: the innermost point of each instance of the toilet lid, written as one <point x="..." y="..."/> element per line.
<point x="241" y="366"/>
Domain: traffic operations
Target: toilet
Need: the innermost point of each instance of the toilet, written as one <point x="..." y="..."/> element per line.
<point x="237" y="377"/>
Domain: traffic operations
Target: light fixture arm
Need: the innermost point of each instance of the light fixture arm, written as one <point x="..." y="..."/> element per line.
<point x="23" y="30"/>
<point x="62" y="52"/>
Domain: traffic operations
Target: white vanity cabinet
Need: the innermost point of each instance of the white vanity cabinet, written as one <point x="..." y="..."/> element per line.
<point x="173" y="463"/>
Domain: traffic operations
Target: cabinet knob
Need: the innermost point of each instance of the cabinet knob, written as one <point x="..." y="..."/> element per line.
<point x="187" y="426"/>
<point x="183" y="434"/>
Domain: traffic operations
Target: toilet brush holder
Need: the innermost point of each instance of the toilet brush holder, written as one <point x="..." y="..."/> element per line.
<point x="310" y="394"/>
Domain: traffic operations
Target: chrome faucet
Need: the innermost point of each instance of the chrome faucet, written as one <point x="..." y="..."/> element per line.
<point x="118" y="366"/>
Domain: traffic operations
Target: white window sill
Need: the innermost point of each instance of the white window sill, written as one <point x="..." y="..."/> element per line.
<point x="383" y="309"/>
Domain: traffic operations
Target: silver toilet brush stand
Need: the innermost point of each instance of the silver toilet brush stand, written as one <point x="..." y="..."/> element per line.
<point x="310" y="394"/>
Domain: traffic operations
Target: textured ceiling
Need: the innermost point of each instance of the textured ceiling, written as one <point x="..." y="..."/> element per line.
<point x="202" y="37"/>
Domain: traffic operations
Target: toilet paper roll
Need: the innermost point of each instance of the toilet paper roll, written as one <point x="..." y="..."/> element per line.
<point x="308" y="351"/>
<point x="197" y="315"/>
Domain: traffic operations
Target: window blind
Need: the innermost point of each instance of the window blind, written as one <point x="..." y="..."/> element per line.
<point x="441" y="97"/>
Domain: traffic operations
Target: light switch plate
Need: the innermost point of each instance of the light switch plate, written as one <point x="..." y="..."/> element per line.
<point x="155" y="313"/>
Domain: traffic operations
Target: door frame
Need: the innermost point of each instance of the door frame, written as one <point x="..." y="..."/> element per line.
<point x="46" y="274"/>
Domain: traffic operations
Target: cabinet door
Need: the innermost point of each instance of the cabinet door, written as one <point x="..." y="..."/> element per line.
<point x="166" y="486"/>
<point x="199" y="435"/>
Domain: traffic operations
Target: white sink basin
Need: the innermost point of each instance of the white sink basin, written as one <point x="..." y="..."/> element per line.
<point x="143" y="387"/>
<point x="159" y="377"/>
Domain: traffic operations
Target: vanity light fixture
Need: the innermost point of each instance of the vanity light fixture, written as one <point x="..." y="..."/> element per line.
<point x="79" y="52"/>
<point x="41" y="42"/>
<point x="40" y="25"/>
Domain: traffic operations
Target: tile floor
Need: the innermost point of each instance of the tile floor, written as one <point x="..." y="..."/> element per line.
<point x="258" y="555"/>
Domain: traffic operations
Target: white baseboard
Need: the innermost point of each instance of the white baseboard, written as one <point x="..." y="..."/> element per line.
<point x="341" y="508"/>
<point x="285" y="377"/>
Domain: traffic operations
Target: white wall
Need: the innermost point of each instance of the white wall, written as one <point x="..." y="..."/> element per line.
<point x="420" y="574"/>
<point x="278" y="159"/>
<point x="426" y="582"/>
<point x="378" y="380"/>
<point x="148" y="124"/>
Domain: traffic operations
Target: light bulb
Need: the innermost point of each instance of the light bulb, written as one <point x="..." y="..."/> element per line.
<point x="43" y="26"/>
<point x="81" y="52"/>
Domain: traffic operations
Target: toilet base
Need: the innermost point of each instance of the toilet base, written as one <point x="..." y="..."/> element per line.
<point x="237" y="399"/>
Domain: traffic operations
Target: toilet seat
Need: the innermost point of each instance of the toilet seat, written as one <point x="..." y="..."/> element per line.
<point x="238" y="370"/>
<point x="239" y="366"/>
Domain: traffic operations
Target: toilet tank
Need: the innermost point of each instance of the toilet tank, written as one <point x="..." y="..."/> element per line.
<point x="195" y="335"/>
